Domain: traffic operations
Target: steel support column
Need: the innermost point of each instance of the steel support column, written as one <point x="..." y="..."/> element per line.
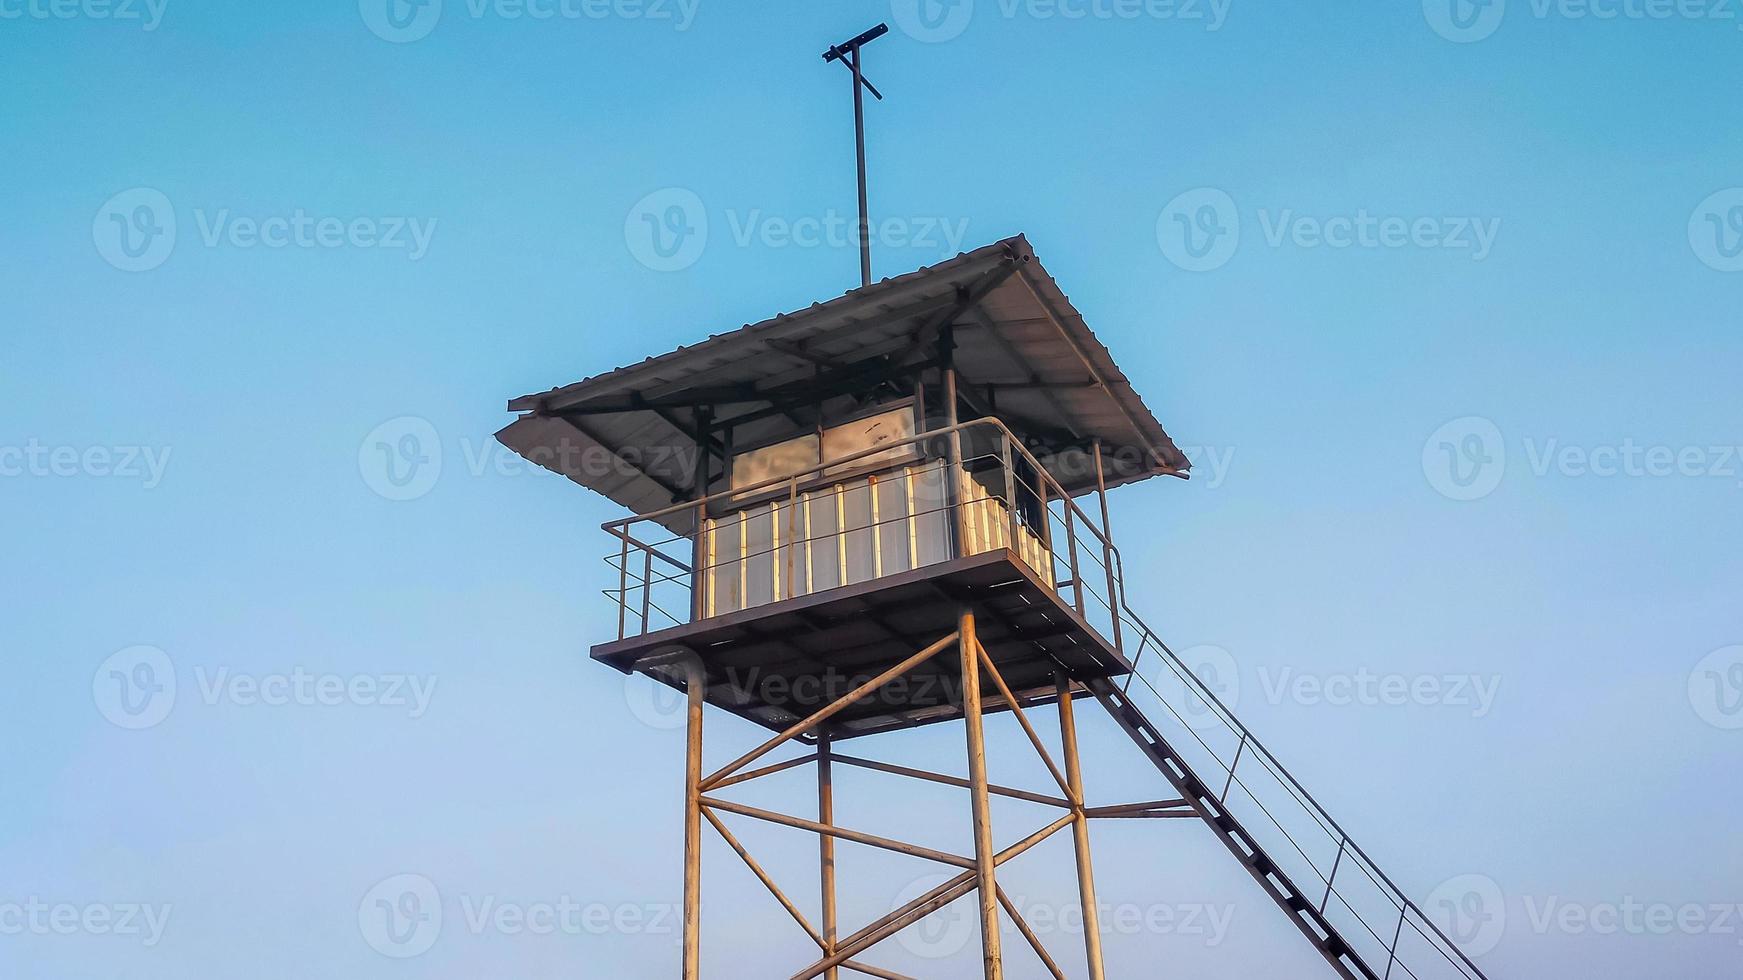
<point x="983" y="834"/>
<point x="695" y="680"/>
<point x="975" y="875"/>
<point x="826" y="847"/>
<point x="1080" y="830"/>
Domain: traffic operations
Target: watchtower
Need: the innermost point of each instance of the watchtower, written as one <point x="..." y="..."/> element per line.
<point x="889" y="510"/>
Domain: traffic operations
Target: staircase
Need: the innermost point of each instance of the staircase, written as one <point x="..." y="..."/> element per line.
<point x="1363" y="925"/>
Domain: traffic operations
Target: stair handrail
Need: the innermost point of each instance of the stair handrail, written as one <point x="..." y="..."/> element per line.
<point x="1235" y="725"/>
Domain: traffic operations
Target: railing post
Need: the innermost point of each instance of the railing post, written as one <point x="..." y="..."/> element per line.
<point x="1137" y="658"/>
<point x="699" y="485"/>
<point x="1231" y="781"/>
<point x="1334" y="874"/>
<point x="952" y="488"/>
<point x="1392" y="953"/>
<point x="1044" y="533"/>
<point x="774" y="551"/>
<point x="792" y="530"/>
<point x="647" y="584"/>
<point x="1071" y="547"/>
<point x="1107" y="548"/>
<point x="622" y="582"/>
<point x="699" y="574"/>
<point x="1011" y="494"/>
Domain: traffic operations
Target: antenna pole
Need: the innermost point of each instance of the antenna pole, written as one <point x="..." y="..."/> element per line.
<point x="865" y="276"/>
<point x="848" y="54"/>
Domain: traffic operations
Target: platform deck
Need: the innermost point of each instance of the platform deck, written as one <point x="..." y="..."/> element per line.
<point x="774" y="664"/>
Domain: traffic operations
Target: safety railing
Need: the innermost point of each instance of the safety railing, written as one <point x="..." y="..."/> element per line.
<point x="1374" y="916"/>
<point x="948" y="493"/>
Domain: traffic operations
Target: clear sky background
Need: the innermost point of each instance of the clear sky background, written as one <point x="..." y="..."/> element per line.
<point x="1323" y="535"/>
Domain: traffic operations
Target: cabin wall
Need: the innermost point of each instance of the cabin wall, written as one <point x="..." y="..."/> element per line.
<point x="853" y="531"/>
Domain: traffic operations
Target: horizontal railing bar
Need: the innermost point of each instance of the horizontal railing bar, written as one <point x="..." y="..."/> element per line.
<point x="934" y="434"/>
<point x="618" y="532"/>
<point x="775" y="548"/>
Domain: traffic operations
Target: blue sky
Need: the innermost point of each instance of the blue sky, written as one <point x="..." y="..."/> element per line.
<point x="1509" y="233"/>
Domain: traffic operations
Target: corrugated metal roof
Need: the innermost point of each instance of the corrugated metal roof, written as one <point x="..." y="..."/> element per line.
<point x="1023" y="341"/>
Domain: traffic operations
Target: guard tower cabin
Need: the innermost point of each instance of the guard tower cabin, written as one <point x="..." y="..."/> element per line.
<point x="818" y="495"/>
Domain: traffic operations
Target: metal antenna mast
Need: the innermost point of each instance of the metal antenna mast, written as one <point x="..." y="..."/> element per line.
<point x="848" y="54"/>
